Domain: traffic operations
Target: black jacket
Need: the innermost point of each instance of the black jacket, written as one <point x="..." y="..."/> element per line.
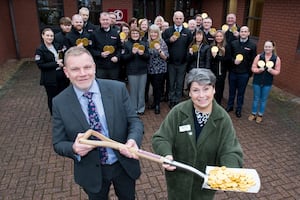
<point x="136" y="64"/>
<point x="199" y="59"/>
<point x="73" y="35"/>
<point x="219" y="64"/>
<point x="89" y="27"/>
<point x="178" y="49"/>
<point x="101" y="38"/>
<point x="248" y="50"/>
<point x="60" y="40"/>
<point x="45" y="60"/>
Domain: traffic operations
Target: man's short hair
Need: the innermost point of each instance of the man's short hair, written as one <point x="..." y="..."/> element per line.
<point x="76" y="51"/>
<point x="65" y="21"/>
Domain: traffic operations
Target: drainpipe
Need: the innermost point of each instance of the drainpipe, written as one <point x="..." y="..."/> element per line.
<point x="12" y="18"/>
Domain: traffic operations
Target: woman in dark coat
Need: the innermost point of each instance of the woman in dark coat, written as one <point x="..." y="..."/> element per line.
<point x="220" y="59"/>
<point x="198" y="55"/>
<point x="197" y="132"/>
<point x="136" y="58"/>
<point x="51" y="65"/>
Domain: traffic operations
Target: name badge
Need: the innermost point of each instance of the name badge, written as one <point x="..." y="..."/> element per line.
<point x="185" y="128"/>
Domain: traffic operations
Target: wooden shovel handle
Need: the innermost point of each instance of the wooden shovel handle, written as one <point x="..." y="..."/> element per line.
<point x="107" y="142"/>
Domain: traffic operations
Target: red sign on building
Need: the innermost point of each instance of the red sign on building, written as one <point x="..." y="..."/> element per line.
<point x="120" y="13"/>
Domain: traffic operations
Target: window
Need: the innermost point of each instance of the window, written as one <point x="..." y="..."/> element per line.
<point x="95" y="8"/>
<point x="50" y="11"/>
<point x="254" y="16"/>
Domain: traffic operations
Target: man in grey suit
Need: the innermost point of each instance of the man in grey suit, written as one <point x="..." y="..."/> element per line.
<point x="118" y="122"/>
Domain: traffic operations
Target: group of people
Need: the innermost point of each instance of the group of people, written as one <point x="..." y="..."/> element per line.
<point x="197" y="131"/>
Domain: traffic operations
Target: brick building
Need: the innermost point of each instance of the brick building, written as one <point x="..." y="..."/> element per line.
<point x="21" y="22"/>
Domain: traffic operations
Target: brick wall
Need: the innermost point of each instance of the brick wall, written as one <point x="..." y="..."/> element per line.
<point x="281" y="23"/>
<point x="27" y="27"/>
<point x="214" y="9"/>
<point x="7" y="47"/>
<point x="70" y="8"/>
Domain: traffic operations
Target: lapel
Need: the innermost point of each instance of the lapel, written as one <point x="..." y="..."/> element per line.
<point x="75" y="108"/>
<point x="107" y="100"/>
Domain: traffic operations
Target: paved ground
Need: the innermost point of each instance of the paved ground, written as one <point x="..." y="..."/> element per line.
<point x="29" y="169"/>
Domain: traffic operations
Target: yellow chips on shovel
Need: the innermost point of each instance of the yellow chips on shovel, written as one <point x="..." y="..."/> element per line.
<point x="226" y="179"/>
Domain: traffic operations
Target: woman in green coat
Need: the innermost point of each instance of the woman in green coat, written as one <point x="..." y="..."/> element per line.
<point x="197" y="132"/>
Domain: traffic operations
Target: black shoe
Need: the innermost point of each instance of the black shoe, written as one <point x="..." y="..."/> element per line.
<point x="229" y="109"/>
<point x="140" y="113"/>
<point x="238" y="113"/>
<point x="157" y="109"/>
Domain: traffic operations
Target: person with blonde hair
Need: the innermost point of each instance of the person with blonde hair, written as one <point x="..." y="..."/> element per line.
<point x="159" y="20"/>
<point x="157" y="65"/>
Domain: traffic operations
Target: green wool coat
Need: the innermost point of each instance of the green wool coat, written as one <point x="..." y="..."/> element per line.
<point x="217" y="145"/>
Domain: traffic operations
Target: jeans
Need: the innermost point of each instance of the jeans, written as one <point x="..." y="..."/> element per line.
<point x="176" y="79"/>
<point x="237" y="84"/>
<point x="260" y="97"/>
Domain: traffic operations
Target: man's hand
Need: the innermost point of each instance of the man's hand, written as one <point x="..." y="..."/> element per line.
<point x="125" y="151"/>
<point x="114" y="59"/>
<point x="81" y="149"/>
<point x="104" y="54"/>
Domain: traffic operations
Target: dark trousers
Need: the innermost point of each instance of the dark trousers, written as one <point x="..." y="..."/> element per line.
<point x="237" y="85"/>
<point x="176" y="80"/>
<point x="156" y="81"/>
<point x="220" y="84"/>
<point x="51" y="91"/>
<point x="61" y="83"/>
<point x="115" y="174"/>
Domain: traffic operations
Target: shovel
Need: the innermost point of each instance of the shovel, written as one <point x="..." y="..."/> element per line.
<point x="107" y="142"/>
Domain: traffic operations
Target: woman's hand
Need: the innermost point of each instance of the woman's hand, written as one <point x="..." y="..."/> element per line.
<point x="167" y="166"/>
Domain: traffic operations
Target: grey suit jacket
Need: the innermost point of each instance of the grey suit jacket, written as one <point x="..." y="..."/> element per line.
<point x="123" y="123"/>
